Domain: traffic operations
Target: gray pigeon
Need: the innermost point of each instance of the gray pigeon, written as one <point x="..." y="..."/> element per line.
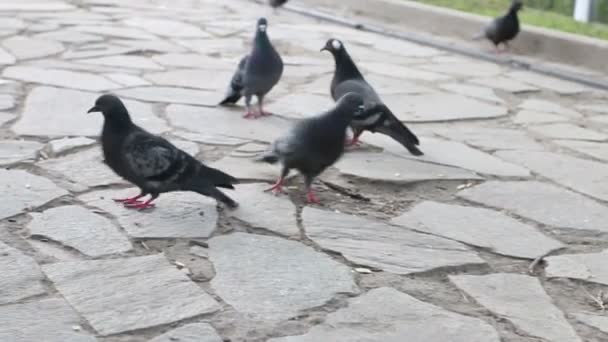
<point x="276" y="3"/>
<point x="151" y="162"/>
<point x="376" y="117"/>
<point x="314" y="144"/>
<point x="504" y="28"/>
<point x="256" y="74"/>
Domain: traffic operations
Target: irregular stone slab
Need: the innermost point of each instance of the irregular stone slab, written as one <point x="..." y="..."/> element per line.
<point x="533" y="117"/>
<point x="263" y="210"/>
<point x="467" y="68"/>
<point x="479" y="227"/>
<point x="79" y="228"/>
<point x="65" y="106"/>
<point x="116" y="31"/>
<point x="13" y="151"/>
<point x="195" y="60"/>
<point x="481" y="93"/>
<point x="582" y="175"/>
<point x="504" y="83"/>
<point x="392" y="168"/>
<point x="97" y="290"/>
<point x="51" y="250"/>
<point x="587" y="266"/>
<point x="377" y="244"/>
<point x="6" y="101"/>
<point x="548" y="107"/>
<point x="568" y="131"/>
<point x="216" y="80"/>
<point x="244" y="167"/>
<point x="167" y="28"/>
<point x="402" y="72"/>
<point x="157" y="45"/>
<point x="27" y="48"/>
<point x="600" y="108"/>
<point x="83" y="170"/>
<point x="453" y="154"/>
<point x="520" y="299"/>
<point x="300" y="106"/>
<point x="22" y="6"/>
<point x="74" y="65"/>
<point x="386" y="86"/>
<point x="62" y="78"/>
<point x="24" y="191"/>
<point x="215" y="47"/>
<point x="210" y="139"/>
<point x="127" y="80"/>
<point x="603" y="119"/>
<point x="490" y="138"/>
<point x="596" y="321"/>
<point x="307" y="278"/>
<point x="444" y="107"/>
<point x="225" y="122"/>
<point x="134" y="62"/>
<point x="96" y="50"/>
<point x="385" y="314"/>
<point x="541" y="202"/>
<point x="170" y="95"/>
<point x="23" y="323"/>
<point x="6" y="117"/>
<point x="593" y="149"/>
<point x="551" y="83"/>
<point x="5" y="57"/>
<point x="20" y="277"/>
<point x="194" y="332"/>
<point x="69" y="36"/>
<point x="177" y="215"/>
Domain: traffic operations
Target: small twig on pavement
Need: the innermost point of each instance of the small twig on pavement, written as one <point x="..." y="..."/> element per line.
<point x="346" y="191"/>
<point x="601" y="299"/>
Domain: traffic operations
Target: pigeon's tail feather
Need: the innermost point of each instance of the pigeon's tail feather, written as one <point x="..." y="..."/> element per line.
<point x="398" y="131"/>
<point x="204" y="188"/>
<point x="209" y="175"/>
<point x="267" y="157"/>
<point x="231" y="98"/>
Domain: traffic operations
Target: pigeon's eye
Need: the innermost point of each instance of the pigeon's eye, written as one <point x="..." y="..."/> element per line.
<point x="336" y="44"/>
<point x="262" y="28"/>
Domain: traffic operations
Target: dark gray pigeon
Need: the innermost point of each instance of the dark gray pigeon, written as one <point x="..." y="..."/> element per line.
<point x="376" y="117"/>
<point x="151" y="162"/>
<point x="256" y="74"/>
<point x="314" y="144"/>
<point x="504" y="28"/>
<point x="276" y="3"/>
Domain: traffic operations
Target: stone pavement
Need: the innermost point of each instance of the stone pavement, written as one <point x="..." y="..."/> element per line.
<point x="435" y="248"/>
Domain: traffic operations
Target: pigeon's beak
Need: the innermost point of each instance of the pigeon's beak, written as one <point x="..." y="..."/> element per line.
<point x="262" y="28"/>
<point x="93" y="109"/>
<point x="324" y="49"/>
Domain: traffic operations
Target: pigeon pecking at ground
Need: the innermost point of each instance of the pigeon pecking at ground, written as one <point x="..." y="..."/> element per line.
<point x="376" y="117"/>
<point x="276" y="3"/>
<point x="151" y="162"/>
<point x="313" y="144"/>
<point x="504" y="28"/>
<point x="257" y="73"/>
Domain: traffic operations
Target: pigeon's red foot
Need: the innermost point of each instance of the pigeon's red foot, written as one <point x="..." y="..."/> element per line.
<point x="140" y="206"/>
<point x="311" y="198"/>
<point x="263" y="113"/>
<point x="251" y="115"/>
<point x="277" y="188"/>
<point x="129" y="200"/>
<point x="354" y="142"/>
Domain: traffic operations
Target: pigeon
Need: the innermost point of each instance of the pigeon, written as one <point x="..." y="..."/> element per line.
<point x="276" y="3"/>
<point x="151" y="162"/>
<point x="504" y="28"/>
<point x="313" y="144"/>
<point x="377" y="117"/>
<point x="257" y="73"/>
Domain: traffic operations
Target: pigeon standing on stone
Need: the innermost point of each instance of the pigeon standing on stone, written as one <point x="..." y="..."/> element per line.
<point x="377" y="117"/>
<point x="151" y="162"/>
<point x="257" y="73"/>
<point x="314" y="144"/>
<point x="504" y="28"/>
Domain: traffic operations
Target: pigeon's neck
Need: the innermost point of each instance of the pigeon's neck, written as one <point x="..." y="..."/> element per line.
<point x="117" y="122"/>
<point x="345" y="67"/>
<point x="262" y="42"/>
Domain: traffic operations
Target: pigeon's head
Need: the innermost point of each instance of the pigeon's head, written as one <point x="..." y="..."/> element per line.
<point x="333" y="46"/>
<point x="352" y="103"/>
<point x="516" y="5"/>
<point x="109" y="105"/>
<point x="262" y="25"/>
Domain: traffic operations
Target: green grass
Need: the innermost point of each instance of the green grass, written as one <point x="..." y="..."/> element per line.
<point x="529" y="16"/>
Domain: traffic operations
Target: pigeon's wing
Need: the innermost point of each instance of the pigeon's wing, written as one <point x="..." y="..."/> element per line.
<point x="153" y="158"/>
<point x="358" y="86"/>
<point x="236" y="83"/>
<point x="491" y="30"/>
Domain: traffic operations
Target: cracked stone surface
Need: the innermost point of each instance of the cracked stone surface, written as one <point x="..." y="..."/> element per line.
<point x="589" y="266"/>
<point x="97" y="290"/>
<point x="243" y="260"/>
<point x="479" y="227"/>
<point x="23" y="191"/>
<point x="89" y="233"/>
<point x="177" y="215"/>
<point x="402" y="318"/>
<point x="195" y="332"/>
<point x="376" y="244"/>
<point x="20" y="278"/>
<point x="520" y="299"/>
<point x="541" y="202"/>
<point x="512" y="161"/>
<point x="596" y="321"/>
<point x="51" y="320"/>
